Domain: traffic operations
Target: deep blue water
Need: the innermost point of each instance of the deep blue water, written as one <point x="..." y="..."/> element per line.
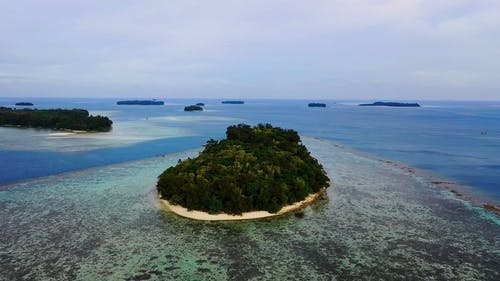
<point x="457" y="140"/>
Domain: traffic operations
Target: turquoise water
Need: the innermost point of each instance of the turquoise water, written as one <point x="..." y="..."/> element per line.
<point x="378" y="222"/>
<point x="84" y="207"/>
<point x="443" y="137"/>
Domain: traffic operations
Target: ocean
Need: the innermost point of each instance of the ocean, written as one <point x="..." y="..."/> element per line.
<point x="84" y="207"/>
<point x="459" y="141"/>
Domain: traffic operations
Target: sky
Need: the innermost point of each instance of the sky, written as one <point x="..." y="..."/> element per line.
<point x="322" y="49"/>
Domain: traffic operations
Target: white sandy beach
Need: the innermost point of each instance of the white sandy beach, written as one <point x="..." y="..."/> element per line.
<point x="204" y="216"/>
<point x="68" y="133"/>
<point x="61" y="134"/>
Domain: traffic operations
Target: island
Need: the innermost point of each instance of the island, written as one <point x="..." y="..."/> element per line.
<point x="200" y="104"/>
<point x="140" y="102"/>
<point x="233" y="102"/>
<point x="193" y="108"/>
<point x="254" y="172"/>
<point x="316" y="104"/>
<point x="58" y="119"/>
<point x="395" y="104"/>
<point x="24" y="104"/>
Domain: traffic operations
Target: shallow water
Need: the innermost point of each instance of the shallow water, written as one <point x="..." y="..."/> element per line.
<point x="457" y="140"/>
<point x="378" y="222"/>
<point x="124" y="133"/>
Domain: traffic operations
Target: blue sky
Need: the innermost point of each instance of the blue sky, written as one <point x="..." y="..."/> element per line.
<point x="331" y="49"/>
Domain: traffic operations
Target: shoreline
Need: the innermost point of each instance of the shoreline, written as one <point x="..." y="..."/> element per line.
<point x="204" y="216"/>
<point x="59" y="131"/>
<point x="69" y="132"/>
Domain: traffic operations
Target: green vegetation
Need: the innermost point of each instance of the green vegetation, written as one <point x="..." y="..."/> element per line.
<point x="254" y="168"/>
<point x="193" y="108"/>
<point x="66" y="119"/>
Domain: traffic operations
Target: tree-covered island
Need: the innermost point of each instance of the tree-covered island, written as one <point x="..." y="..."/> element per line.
<point x="261" y="168"/>
<point x="193" y="108"/>
<point x="23" y="103"/>
<point x="393" y="104"/>
<point x="58" y="119"/>
<point x="140" y="102"/>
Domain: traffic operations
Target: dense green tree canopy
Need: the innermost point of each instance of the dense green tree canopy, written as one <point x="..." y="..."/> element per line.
<point x="254" y="168"/>
<point x="69" y="119"/>
<point x="193" y="108"/>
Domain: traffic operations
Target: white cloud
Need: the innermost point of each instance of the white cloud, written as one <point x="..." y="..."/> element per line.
<point x="253" y="45"/>
<point x="447" y="78"/>
<point x="481" y="22"/>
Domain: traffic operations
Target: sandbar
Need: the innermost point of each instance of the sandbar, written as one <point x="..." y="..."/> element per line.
<point x="68" y="132"/>
<point x="61" y="134"/>
<point x="204" y="216"/>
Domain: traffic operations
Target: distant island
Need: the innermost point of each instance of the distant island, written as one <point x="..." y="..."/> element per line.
<point x="58" y="119"/>
<point x="316" y="104"/>
<point x="140" y="102"/>
<point x="396" y="104"/>
<point x="255" y="172"/>
<point x="24" y="104"/>
<point x="193" y="108"/>
<point x="200" y="104"/>
<point x="233" y="102"/>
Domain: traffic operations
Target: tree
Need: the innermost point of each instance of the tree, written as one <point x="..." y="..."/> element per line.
<point x="254" y="168"/>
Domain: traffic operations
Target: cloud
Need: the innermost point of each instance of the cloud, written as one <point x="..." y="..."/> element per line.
<point x="484" y="21"/>
<point x="446" y="78"/>
<point x="195" y="24"/>
<point x="13" y="78"/>
<point x="252" y="46"/>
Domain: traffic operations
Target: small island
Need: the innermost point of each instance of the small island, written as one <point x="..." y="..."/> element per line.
<point x="57" y="119"/>
<point x="200" y="104"/>
<point x="140" y="102"/>
<point x="233" y="102"/>
<point x="255" y="172"/>
<point x="316" y="104"/>
<point x="24" y="104"/>
<point x="395" y="104"/>
<point x="193" y="108"/>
